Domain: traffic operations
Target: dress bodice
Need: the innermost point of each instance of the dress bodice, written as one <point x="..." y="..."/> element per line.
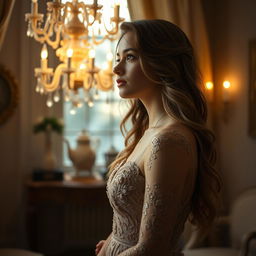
<point x="125" y="190"/>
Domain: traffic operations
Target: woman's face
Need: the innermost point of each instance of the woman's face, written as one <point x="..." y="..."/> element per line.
<point x="131" y="80"/>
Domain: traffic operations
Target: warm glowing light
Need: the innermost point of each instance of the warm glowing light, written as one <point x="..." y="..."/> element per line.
<point x="44" y="52"/>
<point x="117" y="2"/>
<point x="92" y="53"/>
<point x="49" y="103"/>
<point x="90" y="103"/>
<point x="72" y="111"/>
<point x="209" y="85"/>
<point x="109" y="56"/>
<point x="82" y="66"/>
<point x="69" y="52"/>
<point x="226" y="84"/>
<point x="72" y="28"/>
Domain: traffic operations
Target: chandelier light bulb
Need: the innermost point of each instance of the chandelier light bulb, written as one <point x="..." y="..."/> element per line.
<point x="44" y="52"/>
<point x="82" y="66"/>
<point x="92" y="53"/>
<point x="69" y="52"/>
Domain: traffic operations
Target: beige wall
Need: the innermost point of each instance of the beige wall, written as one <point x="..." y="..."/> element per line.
<point x="231" y="24"/>
<point x="20" y="149"/>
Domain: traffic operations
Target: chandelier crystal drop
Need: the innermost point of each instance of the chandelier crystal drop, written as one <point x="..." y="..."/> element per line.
<point x="74" y="29"/>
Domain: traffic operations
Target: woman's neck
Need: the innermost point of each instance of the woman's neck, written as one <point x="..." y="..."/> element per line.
<point x="156" y="112"/>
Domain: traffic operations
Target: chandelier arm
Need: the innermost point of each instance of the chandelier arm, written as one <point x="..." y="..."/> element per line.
<point x="65" y="14"/>
<point x="53" y="43"/>
<point x="69" y="4"/>
<point x="39" y="31"/>
<point x="114" y="31"/>
<point x="81" y="5"/>
<point x="95" y="12"/>
<point x="98" y="42"/>
<point x="85" y="13"/>
<point x="101" y="85"/>
<point x="50" y="87"/>
<point x="46" y="31"/>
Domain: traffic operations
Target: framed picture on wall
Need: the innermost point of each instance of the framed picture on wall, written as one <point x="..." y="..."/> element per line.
<point x="8" y="94"/>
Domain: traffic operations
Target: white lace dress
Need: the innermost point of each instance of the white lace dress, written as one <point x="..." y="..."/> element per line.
<point x="125" y="191"/>
<point x="130" y="199"/>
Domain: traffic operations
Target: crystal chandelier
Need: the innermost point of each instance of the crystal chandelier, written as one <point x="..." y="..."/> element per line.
<point x="74" y="29"/>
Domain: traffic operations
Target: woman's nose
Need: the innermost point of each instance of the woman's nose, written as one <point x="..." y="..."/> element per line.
<point x="118" y="70"/>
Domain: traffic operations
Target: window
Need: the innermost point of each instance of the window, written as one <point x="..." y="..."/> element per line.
<point x="103" y="119"/>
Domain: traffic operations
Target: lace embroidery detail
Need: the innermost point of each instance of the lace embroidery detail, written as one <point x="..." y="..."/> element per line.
<point x="128" y="207"/>
<point x="125" y="190"/>
<point x="171" y="138"/>
<point x="155" y="149"/>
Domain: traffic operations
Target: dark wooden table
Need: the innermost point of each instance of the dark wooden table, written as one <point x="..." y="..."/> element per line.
<point x="67" y="215"/>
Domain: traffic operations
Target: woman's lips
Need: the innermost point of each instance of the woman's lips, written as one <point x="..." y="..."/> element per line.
<point x="120" y="82"/>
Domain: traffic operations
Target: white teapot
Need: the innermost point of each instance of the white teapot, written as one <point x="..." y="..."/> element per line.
<point x="83" y="156"/>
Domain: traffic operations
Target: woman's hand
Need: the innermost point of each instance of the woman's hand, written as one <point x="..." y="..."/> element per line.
<point x="99" y="246"/>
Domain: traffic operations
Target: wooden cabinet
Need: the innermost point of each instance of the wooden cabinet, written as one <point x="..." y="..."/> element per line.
<point x="67" y="216"/>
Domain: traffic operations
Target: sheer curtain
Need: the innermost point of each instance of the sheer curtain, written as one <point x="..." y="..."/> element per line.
<point x="6" y="7"/>
<point x="188" y="15"/>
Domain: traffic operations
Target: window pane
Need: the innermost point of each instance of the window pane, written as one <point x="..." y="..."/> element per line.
<point x="103" y="119"/>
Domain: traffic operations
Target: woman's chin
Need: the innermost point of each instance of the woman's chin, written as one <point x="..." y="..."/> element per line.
<point x="124" y="94"/>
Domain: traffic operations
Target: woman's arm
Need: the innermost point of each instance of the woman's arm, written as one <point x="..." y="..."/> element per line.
<point x="170" y="175"/>
<point x="102" y="251"/>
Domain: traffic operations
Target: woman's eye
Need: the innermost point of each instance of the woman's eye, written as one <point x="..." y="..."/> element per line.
<point x="130" y="57"/>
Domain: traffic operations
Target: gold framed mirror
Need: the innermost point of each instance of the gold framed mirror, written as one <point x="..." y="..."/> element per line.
<point x="8" y="94"/>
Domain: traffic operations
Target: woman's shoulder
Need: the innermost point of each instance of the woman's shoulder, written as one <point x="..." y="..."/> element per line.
<point x="176" y="133"/>
<point x="174" y="140"/>
<point x="173" y="146"/>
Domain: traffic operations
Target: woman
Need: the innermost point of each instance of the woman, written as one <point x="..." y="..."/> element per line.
<point x="165" y="174"/>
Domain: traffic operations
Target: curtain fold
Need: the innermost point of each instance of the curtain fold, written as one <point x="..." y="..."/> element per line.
<point x="6" y="8"/>
<point x="188" y="15"/>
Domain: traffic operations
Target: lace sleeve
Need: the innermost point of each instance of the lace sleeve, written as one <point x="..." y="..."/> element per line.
<point x="169" y="174"/>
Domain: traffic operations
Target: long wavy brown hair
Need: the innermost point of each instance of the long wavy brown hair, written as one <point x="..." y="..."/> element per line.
<point x="167" y="58"/>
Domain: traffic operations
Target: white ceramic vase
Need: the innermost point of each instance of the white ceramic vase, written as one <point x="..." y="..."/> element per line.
<point x="49" y="157"/>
